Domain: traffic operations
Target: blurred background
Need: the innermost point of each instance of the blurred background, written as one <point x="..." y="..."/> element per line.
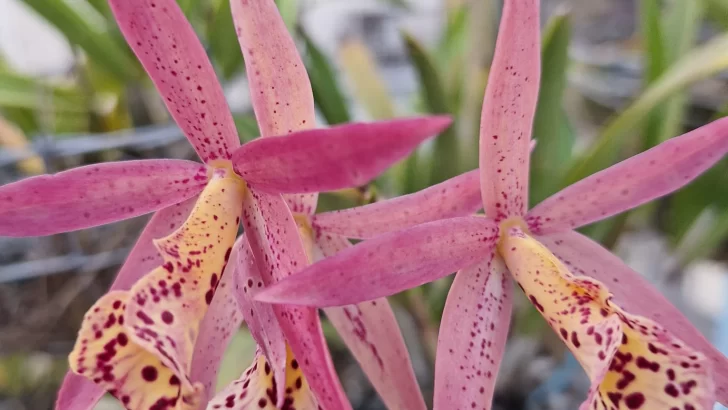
<point x="619" y="76"/>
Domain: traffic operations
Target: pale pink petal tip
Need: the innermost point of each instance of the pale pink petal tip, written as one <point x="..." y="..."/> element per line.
<point x="328" y="159"/>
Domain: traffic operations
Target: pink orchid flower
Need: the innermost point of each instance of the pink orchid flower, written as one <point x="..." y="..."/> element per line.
<point x="150" y="323"/>
<point x="656" y="360"/>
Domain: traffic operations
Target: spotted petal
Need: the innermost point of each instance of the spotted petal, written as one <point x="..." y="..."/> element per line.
<point x="277" y="247"/>
<point x="472" y="336"/>
<point x="458" y="196"/>
<point x="260" y="317"/>
<point x="95" y="195"/>
<point x="635" y="294"/>
<point x="256" y="389"/>
<point x="388" y="264"/>
<point x="508" y="110"/>
<point x="371" y="333"/>
<point x="221" y="322"/>
<point x="167" y="305"/>
<point x="77" y="392"/>
<point x="633" y="362"/>
<point x="642" y="178"/>
<point x="106" y="354"/>
<point x="171" y="53"/>
<point x="334" y="158"/>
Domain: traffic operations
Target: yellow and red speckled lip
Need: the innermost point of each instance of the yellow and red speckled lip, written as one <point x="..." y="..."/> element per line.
<point x="633" y="362"/>
<point x="133" y="342"/>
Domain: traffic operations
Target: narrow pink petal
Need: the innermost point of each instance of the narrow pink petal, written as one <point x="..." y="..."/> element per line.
<point x="371" y="332"/>
<point x="508" y="110"/>
<point x="642" y="178"/>
<point x="279" y="85"/>
<point x="77" y="392"/>
<point x="633" y="293"/>
<point x="458" y="196"/>
<point x="221" y="322"/>
<point x="95" y="195"/>
<point x="171" y="53"/>
<point x="473" y="336"/>
<point x="260" y="317"/>
<point x="334" y="158"/>
<point x="388" y="264"/>
<point x="274" y="240"/>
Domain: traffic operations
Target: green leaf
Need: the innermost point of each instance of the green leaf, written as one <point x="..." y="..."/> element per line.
<point x="93" y="37"/>
<point x="369" y="88"/>
<point x="326" y="92"/>
<point x="717" y="10"/>
<point x="223" y="40"/>
<point x="653" y="51"/>
<point x="445" y="163"/>
<point x="551" y="128"/>
<point x="712" y="58"/>
<point x="19" y="91"/>
<point x="247" y="127"/>
<point x="289" y="13"/>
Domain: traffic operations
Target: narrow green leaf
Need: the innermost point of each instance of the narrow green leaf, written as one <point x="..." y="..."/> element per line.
<point x="223" y="41"/>
<point x="95" y="39"/>
<point x="289" y="13"/>
<point x="654" y="60"/>
<point x="445" y="163"/>
<point x="360" y="68"/>
<point x="551" y="128"/>
<point x="717" y="10"/>
<point x="19" y="91"/>
<point x="247" y="127"/>
<point x="326" y="92"/>
<point x="713" y="58"/>
<point x="706" y="235"/>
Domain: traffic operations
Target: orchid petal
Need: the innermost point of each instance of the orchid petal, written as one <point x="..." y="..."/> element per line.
<point x="632" y="361"/>
<point x="508" y="110"/>
<point x="106" y="354"/>
<point x="256" y="389"/>
<point x="473" y="336"/>
<point x="631" y="291"/>
<point x="260" y="317"/>
<point x="95" y="195"/>
<point x="371" y="333"/>
<point x="77" y="392"/>
<point x="278" y="251"/>
<point x="334" y="158"/>
<point x="167" y="306"/>
<point x="642" y="178"/>
<point x="458" y="196"/>
<point x="388" y="264"/>
<point x="171" y="53"/>
<point x="279" y="86"/>
<point x="221" y="322"/>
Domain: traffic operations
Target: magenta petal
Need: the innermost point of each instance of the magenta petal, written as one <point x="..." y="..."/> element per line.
<point x="277" y="248"/>
<point x="77" y="392"/>
<point x="642" y="178"/>
<point x="334" y="158"/>
<point x="171" y="53"/>
<point x="371" y="333"/>
<point x="260" y="317"/>
<point x="95" y="195"/>
<point x="458" y="196"/>
<point x="388" y="264"/>
<point x="508" y="110"/>
<point x="222" y="320"/>
<point x="634" y="294"/>
<point x="473" y="335"/>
